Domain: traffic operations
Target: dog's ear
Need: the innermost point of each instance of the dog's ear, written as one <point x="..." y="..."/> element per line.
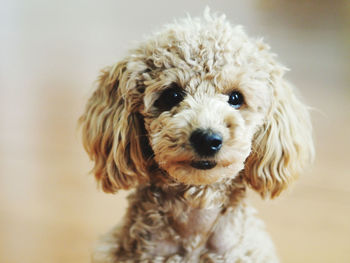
<point x="283" y="145"/>
<point x="113" y="131"/>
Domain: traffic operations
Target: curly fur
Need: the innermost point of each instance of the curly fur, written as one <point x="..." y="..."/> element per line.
<point x="178" y="213"/>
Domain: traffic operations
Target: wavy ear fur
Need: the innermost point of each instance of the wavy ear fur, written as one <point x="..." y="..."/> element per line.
<point x="283" y="145"/>
<point x="113" y="130"/>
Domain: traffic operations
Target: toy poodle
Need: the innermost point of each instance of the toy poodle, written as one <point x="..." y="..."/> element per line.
<point x="190" y="119"/>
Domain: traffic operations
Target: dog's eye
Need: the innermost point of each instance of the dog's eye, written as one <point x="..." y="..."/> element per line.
<point x="170" y="98"/>
<point x="236" y="99"/>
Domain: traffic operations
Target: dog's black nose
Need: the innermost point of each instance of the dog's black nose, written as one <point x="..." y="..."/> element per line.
<point x="205" y="142"/>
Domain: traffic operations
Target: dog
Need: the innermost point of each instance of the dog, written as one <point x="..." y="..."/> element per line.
<point x="190" y="119"/>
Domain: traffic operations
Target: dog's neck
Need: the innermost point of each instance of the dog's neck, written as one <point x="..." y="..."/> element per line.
<point x="191" y="211"/>
<point x="225" y="193"/>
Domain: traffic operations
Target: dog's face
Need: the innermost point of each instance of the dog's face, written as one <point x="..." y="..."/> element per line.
<point x="201" y="120"/>
<point x="208" y="101"/>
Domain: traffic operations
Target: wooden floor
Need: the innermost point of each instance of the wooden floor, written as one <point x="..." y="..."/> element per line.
<point x="50" y="209"/>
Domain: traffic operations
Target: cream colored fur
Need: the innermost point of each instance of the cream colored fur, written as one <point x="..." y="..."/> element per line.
<point x="178" y="213"/>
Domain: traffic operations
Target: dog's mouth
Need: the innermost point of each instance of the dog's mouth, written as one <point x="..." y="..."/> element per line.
<point x="203" y="165"/>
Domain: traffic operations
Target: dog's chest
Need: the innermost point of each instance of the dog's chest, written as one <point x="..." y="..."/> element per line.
<point x="214" y="229"/>
<point x="193" y="227"/>
<point x="203" y="229"/>
<point x="195" y="222"/>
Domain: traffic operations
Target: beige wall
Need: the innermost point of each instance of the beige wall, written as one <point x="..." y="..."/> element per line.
<point x="50" y="54"/>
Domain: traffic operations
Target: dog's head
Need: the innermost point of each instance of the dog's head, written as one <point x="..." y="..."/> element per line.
<point x="202" y="101"/>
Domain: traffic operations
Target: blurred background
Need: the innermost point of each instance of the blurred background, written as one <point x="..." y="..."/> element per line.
<point x="50" y="55"/>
